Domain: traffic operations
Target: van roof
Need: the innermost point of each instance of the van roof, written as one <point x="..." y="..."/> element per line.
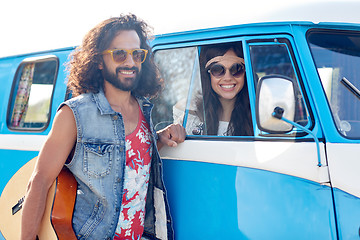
<point x="225" y="32"/>
<point x="29" y="54"/>
<point x="249" y="29"/>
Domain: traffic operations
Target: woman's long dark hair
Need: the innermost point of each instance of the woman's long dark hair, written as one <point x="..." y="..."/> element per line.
<point x="84" y="73"/>
<point x="240" y="123"/>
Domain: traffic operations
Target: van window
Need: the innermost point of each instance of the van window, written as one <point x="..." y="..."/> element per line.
<point x="32" y="90"/>
<point x="186" y="95"/>
<point x="274" y="58"/>
<point x="223" y="108"/>
<point x="179" y="71"/>
<point x="337" y="59"/>
<point x="189" y="97"/>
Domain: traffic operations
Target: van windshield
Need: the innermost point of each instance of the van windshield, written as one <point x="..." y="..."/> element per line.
<point x="337" y="58"/>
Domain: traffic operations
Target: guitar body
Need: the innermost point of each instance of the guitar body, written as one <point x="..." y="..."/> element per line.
<point x="57" y="219"/>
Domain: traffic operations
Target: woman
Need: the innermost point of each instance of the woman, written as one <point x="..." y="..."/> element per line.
<point x="225" y="95"/>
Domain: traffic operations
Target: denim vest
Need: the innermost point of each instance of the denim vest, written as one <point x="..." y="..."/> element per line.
<point x="98" y="165"/>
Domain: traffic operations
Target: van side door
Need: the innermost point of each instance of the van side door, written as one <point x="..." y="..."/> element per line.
<point x="262" y="186"/>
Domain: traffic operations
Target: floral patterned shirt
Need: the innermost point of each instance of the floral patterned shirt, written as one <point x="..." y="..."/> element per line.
<point x="137" y="172"/>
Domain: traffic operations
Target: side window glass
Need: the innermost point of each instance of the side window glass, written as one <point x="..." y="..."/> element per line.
<point x="179" y="70"/>
<point x="205" y="90"/>
<point x="275" y="59"/>
<point x="337" y="59"/>
<point x="32" y="90"/>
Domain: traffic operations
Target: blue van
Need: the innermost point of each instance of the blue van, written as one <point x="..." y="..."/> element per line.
<point x="296" y="176"/>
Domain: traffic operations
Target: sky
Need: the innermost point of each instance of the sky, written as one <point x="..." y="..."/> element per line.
<point x="37" y="25"/>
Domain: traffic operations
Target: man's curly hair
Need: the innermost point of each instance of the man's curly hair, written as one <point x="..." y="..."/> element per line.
<point x="83" y="66"/>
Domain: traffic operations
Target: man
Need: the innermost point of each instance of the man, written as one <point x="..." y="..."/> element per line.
<point x="104" y="135"/>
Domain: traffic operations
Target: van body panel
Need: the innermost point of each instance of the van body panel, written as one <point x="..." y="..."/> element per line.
<point x="347" y="214"/>
<point x="211" y="201"/>
<point x="342" y="159"/>
<point x="291" y="158"/>
<point x="344" y="168"/>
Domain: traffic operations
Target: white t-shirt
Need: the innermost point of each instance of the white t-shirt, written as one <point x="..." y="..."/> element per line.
<point x="194" y="123"/>
<point x="222" y="130"/>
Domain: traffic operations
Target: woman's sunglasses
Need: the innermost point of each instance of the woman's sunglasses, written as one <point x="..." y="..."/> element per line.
<point x="218" y="70"/>
<point x="120" y="55"/>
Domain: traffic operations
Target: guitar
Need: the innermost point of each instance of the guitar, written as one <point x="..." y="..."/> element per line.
<point x="57" y="219"/>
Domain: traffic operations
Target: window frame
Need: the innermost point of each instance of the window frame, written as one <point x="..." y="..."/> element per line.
<point x="286" y="40"/>
<point x="14" y="87"/>
<point x="327" y="104"/>
<point x="246" y="40"/>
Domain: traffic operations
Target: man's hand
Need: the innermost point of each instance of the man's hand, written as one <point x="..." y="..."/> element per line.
<point x="171" y="135"/>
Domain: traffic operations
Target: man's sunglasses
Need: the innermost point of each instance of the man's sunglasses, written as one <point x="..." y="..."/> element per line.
<point x="120" y="55"/>
<point x="218" y="70"/>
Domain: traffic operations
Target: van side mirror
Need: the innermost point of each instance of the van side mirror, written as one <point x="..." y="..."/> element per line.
<point x="275" y="91"/>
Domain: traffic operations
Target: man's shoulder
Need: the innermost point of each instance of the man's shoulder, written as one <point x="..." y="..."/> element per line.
<point x="78" y="101"/>
<point x="81" y="99"/>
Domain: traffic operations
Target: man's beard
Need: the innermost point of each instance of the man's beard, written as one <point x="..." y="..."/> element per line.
<point x="126" y="84"/>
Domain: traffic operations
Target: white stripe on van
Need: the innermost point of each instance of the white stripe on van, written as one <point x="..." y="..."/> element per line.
<point x="292" y="158"/>
<point x="22" y="142"/>
<point x="344" y="166"/>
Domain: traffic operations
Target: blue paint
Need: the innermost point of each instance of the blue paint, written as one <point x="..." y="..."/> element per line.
<point x="210" y="201"/>
<point x="348" y="214"/>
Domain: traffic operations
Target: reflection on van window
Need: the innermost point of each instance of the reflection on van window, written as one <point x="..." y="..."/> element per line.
<point x="271" y="59"/>
<point x="274" y="59"/>
<point x="31" y="96"/>
<point x="337" y="56"/>
<point x="177" y="70"/>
